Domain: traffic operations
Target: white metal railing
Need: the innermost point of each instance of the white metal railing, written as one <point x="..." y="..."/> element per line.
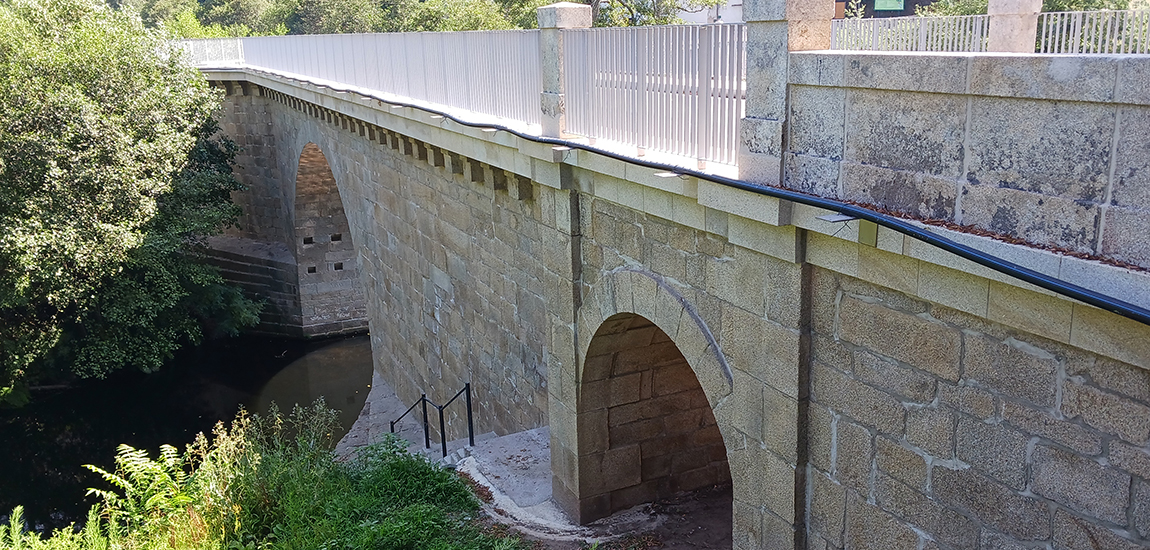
<point x="960" y="33"/>
<point x="676" y="89"/>
<point x="214" y="51"/>
<point x="1094" y="32"/>
<point x="490" y="73"/>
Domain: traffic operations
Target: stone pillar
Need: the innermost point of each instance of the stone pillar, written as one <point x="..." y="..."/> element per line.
<point x="1013" y="25"/>
<point x="553" y="19"/>
<point x="775" y="27"/>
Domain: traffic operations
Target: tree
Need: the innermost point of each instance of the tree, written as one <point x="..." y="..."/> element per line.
<point x="260" y="17"/>
<point x="979" y="7"/>
<point x="186" y="25"/>
<point x="449" y="15"/>
<point x="334" y="16"/>
<point x="631" y="13"/>
<point x="109" y="181"/>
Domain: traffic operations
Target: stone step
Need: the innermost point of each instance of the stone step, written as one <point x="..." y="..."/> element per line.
<point x="456" y="450"/>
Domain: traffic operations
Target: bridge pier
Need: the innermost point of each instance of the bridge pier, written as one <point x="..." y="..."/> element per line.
<point x="304" y="264"/>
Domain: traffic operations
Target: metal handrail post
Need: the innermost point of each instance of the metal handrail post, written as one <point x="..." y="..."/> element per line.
<point x="442" y="432"/>
<point x="470" y="426"/>
<point x="426" y="428"/>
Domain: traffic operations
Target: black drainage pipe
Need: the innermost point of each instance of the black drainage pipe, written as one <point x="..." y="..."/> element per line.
<point x="1053" y="284"/>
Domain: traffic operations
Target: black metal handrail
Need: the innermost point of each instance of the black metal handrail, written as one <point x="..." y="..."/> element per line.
<point x="423" y="400"/>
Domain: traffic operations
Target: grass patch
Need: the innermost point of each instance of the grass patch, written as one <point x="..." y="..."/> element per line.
<point x="272" y="482"/>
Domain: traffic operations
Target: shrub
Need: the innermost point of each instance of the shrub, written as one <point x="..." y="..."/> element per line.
<point x="272" y="482"/>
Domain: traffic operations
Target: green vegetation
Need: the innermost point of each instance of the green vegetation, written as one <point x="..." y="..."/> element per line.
<point x="631" y="13"/>
<point x="272" y="483"/>
<point x="110" y="179"/>
<point x="216" y="18"/>
<point x="979" y="7"/>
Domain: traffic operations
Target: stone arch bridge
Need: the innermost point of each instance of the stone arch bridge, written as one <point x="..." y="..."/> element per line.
<point x="857" y="387"/>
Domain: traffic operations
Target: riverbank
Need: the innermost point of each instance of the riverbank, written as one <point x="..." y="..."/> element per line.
<point x="47" y="442"/>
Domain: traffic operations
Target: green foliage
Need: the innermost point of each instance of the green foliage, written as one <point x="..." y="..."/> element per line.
<point x="334" y="16"/>
<point x="109" y="179"/>
<point x="186" y="25"/>
<point x="91" y="537"/>
<point x="631" y="13"/>
<point x="979" y="7"/>
<point x="245" y="17"/>
<point x="155" y="492"/>
<point x="454" y="15"/>
<point x="854" y="9"/>
<point x="1084" y="5"/>
<point x="272" y="483"/>
<point x="216" y="18"/>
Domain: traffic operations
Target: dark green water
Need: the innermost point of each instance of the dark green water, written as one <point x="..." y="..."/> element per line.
<point x="43" y="445"/>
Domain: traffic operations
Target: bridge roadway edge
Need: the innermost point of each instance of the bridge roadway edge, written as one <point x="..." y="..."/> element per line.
<point x="989" y="334"/>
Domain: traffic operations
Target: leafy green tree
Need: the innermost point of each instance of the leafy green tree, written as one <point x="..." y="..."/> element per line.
<point x="630" y="13"/>
<point x="186" y="25"/>
<point x="155" y="12"/>
<point x="521" y="13"/>
<point x="451" y="15"/>
<point x="260" y="17"/>
<point x="109" y="180"/>
<point x="979" y="7"/>
<point x="334" y="16"/>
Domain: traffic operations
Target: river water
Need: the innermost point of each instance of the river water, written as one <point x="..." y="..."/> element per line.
<point x="44" y="445"/>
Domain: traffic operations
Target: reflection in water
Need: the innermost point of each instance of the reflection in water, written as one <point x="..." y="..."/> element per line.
<point x="340" y="373"/>
<point x="44" y="445"/>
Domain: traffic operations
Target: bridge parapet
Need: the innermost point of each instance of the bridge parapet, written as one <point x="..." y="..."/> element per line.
<point x="1046" y="150"/>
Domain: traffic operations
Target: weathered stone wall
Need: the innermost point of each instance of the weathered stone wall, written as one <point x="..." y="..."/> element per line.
<point x="449" y="256"/>
<point x="245" y="119"/>
<point x="257" y="253"/>
<point x="933" y="428"/>
<point x="646" y="414"/>
<point x="266" y="271"/>
<point x="1046" y="149"/>
<point x="331" y="296"/>
<point x="733" y="311"/>
<point x="322" y="295"/>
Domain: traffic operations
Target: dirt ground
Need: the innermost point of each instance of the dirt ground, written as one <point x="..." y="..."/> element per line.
<point x="695" y="520"/>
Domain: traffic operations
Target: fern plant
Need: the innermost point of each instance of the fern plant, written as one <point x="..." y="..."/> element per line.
<point x="155" y="491"/>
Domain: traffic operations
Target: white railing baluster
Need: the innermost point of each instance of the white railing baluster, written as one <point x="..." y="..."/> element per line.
<point x="676" y="90"/>
<point x="1103" y="31"/>
<point x="703" y="97"/>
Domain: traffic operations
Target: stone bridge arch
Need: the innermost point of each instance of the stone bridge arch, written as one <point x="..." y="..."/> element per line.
<point x="331" y="294"/>
<point x="649" y="389"/>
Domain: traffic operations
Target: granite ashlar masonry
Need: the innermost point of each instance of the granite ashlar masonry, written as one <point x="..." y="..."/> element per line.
<point x="438" y="242"/>
<point x="1045" y="149"/>
<point x="971" y="434"/>
<point x="313" y="289"/>
<point x="331" y="297"/>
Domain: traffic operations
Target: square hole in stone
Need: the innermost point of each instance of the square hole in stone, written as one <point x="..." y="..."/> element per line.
<point x="335" y="237"/>
<point x="339" y="266"/>
<point x="311" y="269"/>
<point x="308" y="240"/>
